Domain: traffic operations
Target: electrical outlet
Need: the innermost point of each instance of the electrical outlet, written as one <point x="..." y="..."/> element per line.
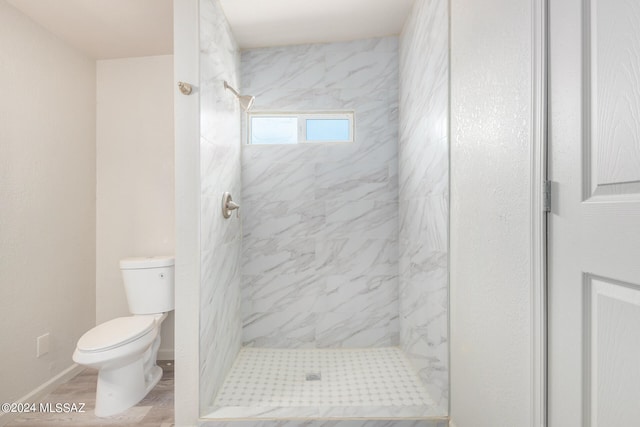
<point x="42" y="345"/>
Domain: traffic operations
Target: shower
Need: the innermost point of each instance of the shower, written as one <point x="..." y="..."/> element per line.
<point x="246" y="101"/>
<point x="324" y="299"/>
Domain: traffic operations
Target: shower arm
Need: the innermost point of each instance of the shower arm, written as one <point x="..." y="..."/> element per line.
<point x="227" y="86"/>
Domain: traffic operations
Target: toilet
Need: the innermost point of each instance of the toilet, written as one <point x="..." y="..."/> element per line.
<point x="124" y="350"/>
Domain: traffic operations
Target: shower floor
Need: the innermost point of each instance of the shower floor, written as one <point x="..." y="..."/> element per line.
<point x="275" y="383"/>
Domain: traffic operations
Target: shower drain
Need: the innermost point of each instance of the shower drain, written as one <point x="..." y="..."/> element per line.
<point x="313" y="376"/>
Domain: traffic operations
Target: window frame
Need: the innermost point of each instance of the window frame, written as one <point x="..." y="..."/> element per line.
<point x="302" y="118"/>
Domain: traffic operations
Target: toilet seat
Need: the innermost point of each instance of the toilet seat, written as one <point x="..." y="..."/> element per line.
<point x="116" y="333"/>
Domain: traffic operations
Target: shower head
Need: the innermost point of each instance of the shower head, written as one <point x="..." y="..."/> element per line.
<point x="246" y="101"/>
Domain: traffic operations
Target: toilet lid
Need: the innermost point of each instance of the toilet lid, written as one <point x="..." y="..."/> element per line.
<point x="115" y="333"/>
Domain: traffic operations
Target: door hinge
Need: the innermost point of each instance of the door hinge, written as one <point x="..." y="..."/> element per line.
<point x="546" y="196"/>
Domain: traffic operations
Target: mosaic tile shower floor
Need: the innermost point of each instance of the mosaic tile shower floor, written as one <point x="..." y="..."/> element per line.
<point x="270" y="383"/>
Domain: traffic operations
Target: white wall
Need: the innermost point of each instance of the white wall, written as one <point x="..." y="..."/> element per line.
<point x="491" y="110"/>
<point x="135" y="177"/>
<point x="47" y="202"/>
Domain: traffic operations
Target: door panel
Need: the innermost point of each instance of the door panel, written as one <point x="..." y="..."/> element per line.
<point x="611" y="37"/>
<point x="594" y="226"/>
<point x="612" y="352"/>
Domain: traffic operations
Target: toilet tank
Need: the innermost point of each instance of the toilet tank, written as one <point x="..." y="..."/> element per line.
<point x="148" y="283"/>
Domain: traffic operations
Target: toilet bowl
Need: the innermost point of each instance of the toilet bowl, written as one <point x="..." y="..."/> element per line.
<point x="124" y="350"/>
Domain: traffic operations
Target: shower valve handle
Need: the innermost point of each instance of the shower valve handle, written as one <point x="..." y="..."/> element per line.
<point x="229" y="205"/>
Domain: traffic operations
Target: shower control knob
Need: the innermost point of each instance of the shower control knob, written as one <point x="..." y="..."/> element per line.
<point x="229" y="205"/>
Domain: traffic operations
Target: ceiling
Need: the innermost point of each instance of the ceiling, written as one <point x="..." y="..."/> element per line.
<point x="261" y="23"/>
<point x="106" y="29"/>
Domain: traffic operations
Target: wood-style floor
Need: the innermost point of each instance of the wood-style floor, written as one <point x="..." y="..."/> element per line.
<point x="155" y="410"/>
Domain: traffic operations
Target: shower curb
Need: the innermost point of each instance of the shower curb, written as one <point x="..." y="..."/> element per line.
<point x="347" y="422"/>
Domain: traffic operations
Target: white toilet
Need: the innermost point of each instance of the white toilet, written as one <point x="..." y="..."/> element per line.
<point x="124" y="350"/>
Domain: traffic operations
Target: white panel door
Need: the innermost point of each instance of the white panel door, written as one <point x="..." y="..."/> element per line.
<point x="594" y="226"/>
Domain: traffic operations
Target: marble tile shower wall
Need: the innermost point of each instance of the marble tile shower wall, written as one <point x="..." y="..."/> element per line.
<point x="320" y="221"/>
<point x="424" y="195"/>
<point x="220" y="241"/>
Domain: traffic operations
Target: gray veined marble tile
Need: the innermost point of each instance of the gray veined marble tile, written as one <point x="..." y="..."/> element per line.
<point x="220" y="321"/>
<point x="289" y="219"/>
<point x="423" y="172"/>
<point x="322" y="209"/>
<point x="217" y="166"/>
<point x="278" y="98"/>
<point x="333" y="173"/>
<point x="218" y="121"/>
<point x="380" y="45"/>
<point x="377" y="411"/>
<point x="301" y="66"/>
<point x="374" y="114"/>
<point x="424" y="221"/>
<point x="373" y="70"/>
<point x="371" y="218"/>
<point x="264" y="412"/>
<point x="429" y="357"/>
<point x="214" y="227"/>
<point x="428" y="268"/>
<point x="353" y="181"/>
<point x="364" y="294"/>
<point x="354" y="330"/>
<point x="214" y="30"/>
<point x="277" y="181"/>
<point x="276" y="255"/>
<point x="357" y="255"/>
<point x="259" y="155"/>
<point x="375" y="147"/>
<point x="286" y="293"/>
<point x="279" y="330"/>
<point x="423" y="195"/>
<point x="425" y="310"/>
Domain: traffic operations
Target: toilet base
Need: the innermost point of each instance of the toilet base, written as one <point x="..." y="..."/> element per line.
<point x="121" y="388"/>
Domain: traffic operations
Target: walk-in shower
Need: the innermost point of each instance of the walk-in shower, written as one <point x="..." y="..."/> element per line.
<point x="327" y="296"/>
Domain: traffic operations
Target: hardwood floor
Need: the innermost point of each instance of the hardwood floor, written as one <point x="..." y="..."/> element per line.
<point x="155" y="410"/>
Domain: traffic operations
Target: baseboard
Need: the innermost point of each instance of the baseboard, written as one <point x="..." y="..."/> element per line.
<point x="38" y="393"/>
<point x="165" y="354"/>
